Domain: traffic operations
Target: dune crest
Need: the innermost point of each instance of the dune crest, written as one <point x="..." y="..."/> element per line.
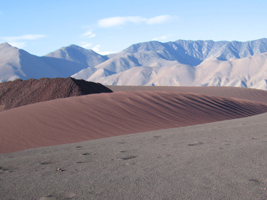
<point x="96" y="116"/>
<point x="227" y="92"/>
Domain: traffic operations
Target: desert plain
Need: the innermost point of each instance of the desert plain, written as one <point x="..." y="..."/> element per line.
<point x="137" y="143"/>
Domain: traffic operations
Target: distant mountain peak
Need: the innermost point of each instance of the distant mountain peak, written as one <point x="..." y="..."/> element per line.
<point x="75" y="53"/>
<point x="7" y="45"/>
<point x="185" y="63"/>
<point x="74" y="46"/>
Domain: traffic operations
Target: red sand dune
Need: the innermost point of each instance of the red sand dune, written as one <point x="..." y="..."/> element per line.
<point x="228" y="92"/>
<point x="76" y="119"/>
<point x="19" y="93"/>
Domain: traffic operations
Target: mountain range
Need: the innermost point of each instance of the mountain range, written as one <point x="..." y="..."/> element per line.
<point x="179" y="63"/>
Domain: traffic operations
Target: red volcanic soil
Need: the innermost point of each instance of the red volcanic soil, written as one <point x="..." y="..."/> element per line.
<point x="19" y="93"/>
<point x="96" y="116"/>
<point x="228" y="92"/>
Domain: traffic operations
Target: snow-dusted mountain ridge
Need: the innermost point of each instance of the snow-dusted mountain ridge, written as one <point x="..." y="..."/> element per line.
<point x="182" y="62"/>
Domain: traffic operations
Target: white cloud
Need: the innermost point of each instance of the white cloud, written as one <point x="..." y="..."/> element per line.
<point x="117" y="21"/>
<point x="164" y="37"/>
<point x="24" y="37"/>
<point x="19" y="45"/>
<point x="159" y="19"/>
<point x="21" y="41"/>
<point x="97" y="49"/>
<point x="86" y="45"/>
<point x="89" y="34"/>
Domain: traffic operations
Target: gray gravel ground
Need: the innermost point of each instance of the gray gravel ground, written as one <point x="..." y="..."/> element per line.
<point x="222" y="160"/>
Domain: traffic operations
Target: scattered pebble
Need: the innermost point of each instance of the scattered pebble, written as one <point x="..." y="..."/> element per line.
<point x="60" y="170"/>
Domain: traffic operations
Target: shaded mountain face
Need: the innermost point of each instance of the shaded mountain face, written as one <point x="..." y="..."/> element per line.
<point x="194" y="52"/>
<point x="19" y="93"/>
<point x="77" y="54"/>
<point x="18" y="64"/>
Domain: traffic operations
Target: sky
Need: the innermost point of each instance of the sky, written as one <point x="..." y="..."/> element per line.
<point x="109" y="26"/>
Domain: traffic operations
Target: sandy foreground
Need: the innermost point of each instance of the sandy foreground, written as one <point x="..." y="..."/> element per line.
<point x="220" y="160"/>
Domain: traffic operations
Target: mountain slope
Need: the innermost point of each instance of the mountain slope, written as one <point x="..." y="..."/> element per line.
<point x="18" y="64"/>
<point x="245" y="72"/>
<point x="180" y="63"/>
<point x="74" y="53"/>
<point x="175" y="75"/>
<point x="194" y="52"/>
<point x="184" y="63"/>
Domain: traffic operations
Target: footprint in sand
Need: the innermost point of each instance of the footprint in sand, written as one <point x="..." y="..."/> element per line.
<point x="121" y="142"/>
<point x="256" y="181"/>
<point x="3" y="170"/>
<point x="86" y="154"/>
<point x="6" y="169"/>
<point x="46" y="163"/>
<point x="128" y="157"/>
<point x="196" y="144"/>
<point x="65" y="196"/>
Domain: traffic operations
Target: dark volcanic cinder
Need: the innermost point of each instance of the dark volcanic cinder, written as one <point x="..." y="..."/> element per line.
<point x="23" y="92"/>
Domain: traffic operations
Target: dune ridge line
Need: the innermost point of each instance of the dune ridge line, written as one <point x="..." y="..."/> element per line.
<point x="97" y="116"/>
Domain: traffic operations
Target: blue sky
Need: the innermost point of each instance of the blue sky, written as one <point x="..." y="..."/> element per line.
<point x="42" y="26"/>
